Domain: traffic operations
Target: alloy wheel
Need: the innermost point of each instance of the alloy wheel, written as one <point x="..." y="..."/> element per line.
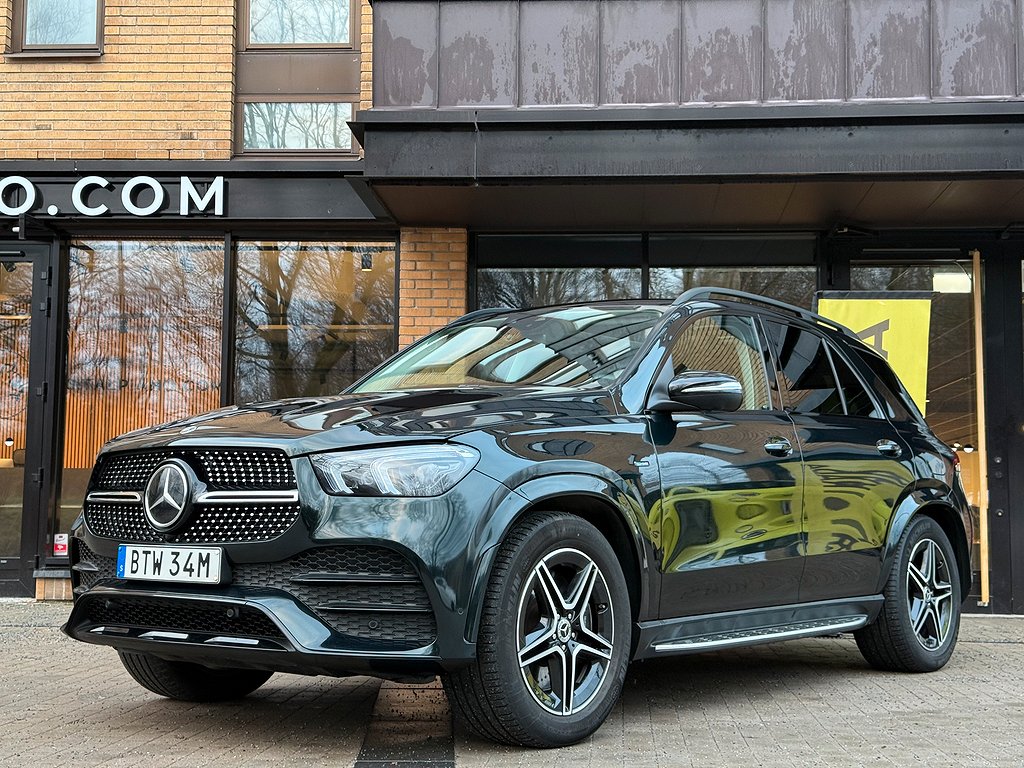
<point x="929" y="594"/>
<point x="565" y="631"/>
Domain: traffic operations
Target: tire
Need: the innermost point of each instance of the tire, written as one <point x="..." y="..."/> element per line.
<point x="918" y="626"/>
<point x="556" y="599"/>
<point x="191" y="682"/>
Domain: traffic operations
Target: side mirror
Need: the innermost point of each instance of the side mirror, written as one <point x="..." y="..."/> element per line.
<point x="700" y="391"/>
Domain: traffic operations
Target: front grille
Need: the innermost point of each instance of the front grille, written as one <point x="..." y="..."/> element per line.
<point x="242" y="470"/>
<point x="221" y="469"/>
<point x="371" y="596"/>
<point x="179" y="616"/>
<point x="211" y="524"/>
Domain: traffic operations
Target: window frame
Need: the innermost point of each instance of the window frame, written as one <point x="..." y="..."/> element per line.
<point x="309" y="86"/>
<point x="832" y="350"/>
<point x="247" y="46"/>
<point x="880" y="407"/>
<point x="666" y="368"/>
<point x="281" y="152"/>
<point x="18" y="48"/>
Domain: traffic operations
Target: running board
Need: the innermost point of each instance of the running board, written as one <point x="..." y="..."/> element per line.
<point x="762" y="635"/>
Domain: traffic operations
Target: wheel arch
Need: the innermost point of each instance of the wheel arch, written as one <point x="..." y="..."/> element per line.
<point x="591" y="499"/>
<point x="949" y="518"/>
<point x="952" y="525"/>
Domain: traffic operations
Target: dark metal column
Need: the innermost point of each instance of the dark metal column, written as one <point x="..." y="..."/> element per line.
<point x="1004" y="368"/>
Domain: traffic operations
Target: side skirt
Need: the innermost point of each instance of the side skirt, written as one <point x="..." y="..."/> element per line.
<point x="693" y="634"/>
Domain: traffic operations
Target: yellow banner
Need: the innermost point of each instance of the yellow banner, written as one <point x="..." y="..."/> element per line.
<point x="896" y="328"/>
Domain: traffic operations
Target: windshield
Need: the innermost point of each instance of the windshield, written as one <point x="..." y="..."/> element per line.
<point x="579" y="346"/>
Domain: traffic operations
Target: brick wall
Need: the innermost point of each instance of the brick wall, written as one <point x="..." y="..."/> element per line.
<point x="163" y="88"/>
<point x="53" y="589"/>
<point x="432" y="280"/>
<point x="366" y="49"/>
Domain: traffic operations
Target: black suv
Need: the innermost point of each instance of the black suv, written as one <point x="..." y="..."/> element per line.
<point x="525" y="501"/>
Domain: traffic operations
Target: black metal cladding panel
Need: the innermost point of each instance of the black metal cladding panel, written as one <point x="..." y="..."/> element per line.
<point x="640" y="52"/>
<point x="478" y="53"/>
<point x="805" y="49"/>
<point x="559" y="62"/>
<point x="888" y="49"/>
<point x="722" y="50"/>
<point x="223" y="469"/>
<point x="210" y="524"/>
<point x="976" y="49"/>
<point x="180" y="616"/>
<point x="407" y="77"/>
<point x="692" y="51"/>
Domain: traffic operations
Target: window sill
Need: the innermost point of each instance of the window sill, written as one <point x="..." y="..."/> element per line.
<point x="296" y="154"/>
<point x="55" y="53"/>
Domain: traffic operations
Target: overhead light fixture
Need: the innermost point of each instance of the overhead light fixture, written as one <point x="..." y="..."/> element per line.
<point x="366" y="262"/>
<point x="968" y="448"/>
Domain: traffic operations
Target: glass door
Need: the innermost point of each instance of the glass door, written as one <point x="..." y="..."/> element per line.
<point x="19" y="482"/>
<point x="948" y="384"/>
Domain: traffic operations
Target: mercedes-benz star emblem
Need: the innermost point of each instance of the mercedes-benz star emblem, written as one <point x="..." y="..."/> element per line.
<point x="168" y="495"/>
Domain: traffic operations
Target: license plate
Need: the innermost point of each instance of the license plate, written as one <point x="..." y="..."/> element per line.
<point x="191" y="565"/>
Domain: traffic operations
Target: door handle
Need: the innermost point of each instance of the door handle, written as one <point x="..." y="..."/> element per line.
<point x="889" y="448"/>
<point x="778" y="446"/>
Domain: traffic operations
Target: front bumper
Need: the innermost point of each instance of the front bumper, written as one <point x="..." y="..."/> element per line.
<point x="270" y="631"/>
<point x="355" y="586"/>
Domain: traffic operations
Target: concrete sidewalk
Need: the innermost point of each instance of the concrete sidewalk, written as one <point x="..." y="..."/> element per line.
<point x="804" y="703"/>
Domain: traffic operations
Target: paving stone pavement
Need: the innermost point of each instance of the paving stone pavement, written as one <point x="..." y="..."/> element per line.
<point x="803" y="703"/>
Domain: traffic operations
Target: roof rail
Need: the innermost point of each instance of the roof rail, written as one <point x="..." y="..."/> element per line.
<point x="696" y="294"/>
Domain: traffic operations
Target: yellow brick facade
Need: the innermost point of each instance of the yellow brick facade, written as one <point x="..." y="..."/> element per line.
<point x="366" y="61"/>
<point x="162" y="90"/>
<point x="431" y="280"/>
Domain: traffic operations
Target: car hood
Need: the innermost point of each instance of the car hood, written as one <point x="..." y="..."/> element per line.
<point x="306" y="425"/>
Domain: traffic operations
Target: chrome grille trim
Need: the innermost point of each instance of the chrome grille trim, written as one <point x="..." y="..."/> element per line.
<point x="115" y="497"/>
<point x="247" y="497"/>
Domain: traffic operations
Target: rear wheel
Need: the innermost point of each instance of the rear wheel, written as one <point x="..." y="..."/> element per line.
<point x="554" y="637"/>
<point x="918" y="626"/>
<point x="191" y="682"/>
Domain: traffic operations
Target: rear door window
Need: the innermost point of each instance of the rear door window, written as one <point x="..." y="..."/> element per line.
<point x="858" y="401"/>
<point x="806" y="378"/>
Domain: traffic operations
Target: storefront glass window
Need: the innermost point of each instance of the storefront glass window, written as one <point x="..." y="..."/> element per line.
<point x="794" y="285"/>
<point x="951" y="398"/>
<point x="144" y="344"/>
<point x="312" y="317"/>
<point x="15" y="326"/>
<point x="539" y="287"/>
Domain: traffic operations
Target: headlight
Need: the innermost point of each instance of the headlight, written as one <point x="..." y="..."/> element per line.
<point x="416" y="470"/>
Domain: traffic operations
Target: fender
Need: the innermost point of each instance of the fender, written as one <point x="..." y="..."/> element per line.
<point x="531" y="495"/>
<point x="932" y="496"/>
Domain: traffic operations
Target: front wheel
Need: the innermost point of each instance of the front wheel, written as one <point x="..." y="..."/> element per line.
<point x="918" y="626"/>
<point x="554" y="637"/>
<point x="191" y="682"/>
